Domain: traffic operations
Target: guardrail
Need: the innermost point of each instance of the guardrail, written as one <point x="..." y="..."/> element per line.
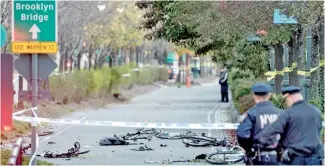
<point x="16" y="157"/>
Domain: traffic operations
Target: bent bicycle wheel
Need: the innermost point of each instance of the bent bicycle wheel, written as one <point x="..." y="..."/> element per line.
<point x="136" y="137"/>
<point x="224" y="157"/>
<point x="167" y="136"/>
<point x="196" y="143"/>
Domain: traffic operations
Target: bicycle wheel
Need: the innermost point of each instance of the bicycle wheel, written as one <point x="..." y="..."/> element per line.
<point x="196" y="143"/>
<point x="224" y="157"/>
<point x="167" y="136"/>
<point x="136" y="137"/>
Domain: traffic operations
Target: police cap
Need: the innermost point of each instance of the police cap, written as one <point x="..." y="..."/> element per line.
<point x="290" y="89"/>
<point x="261" y="88"/>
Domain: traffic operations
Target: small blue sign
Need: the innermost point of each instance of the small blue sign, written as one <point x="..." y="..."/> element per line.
<point x="98" y="51"/>
<point x="253" y="38"/>
<point x="279" y="18"/>
<point x="3" y="36"/>
<point x="171" y="57"/>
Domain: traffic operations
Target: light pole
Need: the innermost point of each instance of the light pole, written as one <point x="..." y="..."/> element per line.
<point x="285" y="81"/>
<point x="306" y="80"/>
<point x="272" y="64"/>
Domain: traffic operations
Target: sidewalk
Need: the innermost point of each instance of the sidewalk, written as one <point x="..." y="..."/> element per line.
<point x="206" y="80"/>
<point x="225" y="113"/>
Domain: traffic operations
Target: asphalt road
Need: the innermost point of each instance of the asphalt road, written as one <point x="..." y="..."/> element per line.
<point x="170" y="104"/>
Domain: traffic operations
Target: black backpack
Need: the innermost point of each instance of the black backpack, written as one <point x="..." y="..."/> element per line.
<point x="111" y="141"/>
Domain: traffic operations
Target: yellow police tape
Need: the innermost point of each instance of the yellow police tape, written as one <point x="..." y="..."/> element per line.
<point x="272" y="74"/>
<point x="182" y="67"/>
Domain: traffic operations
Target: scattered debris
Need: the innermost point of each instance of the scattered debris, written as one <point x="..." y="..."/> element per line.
<point x="141" y="148"/>
<point x="113" y="141"/>
<point x="72" y="152"/>
<point x="201" y="156"/>
<point x="151" y="162"/>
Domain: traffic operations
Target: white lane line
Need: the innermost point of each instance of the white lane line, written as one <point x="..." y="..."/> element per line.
<point x="209" y="121"/>
<point x="64" y="129"/>
<point x="210" y="117"/>
<point x="160" y="85"/>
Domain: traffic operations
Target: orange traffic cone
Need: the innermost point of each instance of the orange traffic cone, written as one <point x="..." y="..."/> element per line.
<point x="188" y="82"/>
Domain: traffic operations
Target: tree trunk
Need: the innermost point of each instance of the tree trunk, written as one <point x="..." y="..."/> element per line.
<point x="62" y="60"/>
<point x="133" y="55"/>
<point x="115" y="58"/>
<point x="66" y="58"/>
<point x="314" y="76"/>
<point x="90" y="56"/>
<point x="137" y="50"/>
<point x="298" y="57"/>
<point x="101" y="58"/>
<point x="127" y="52"/>
<point x="202" y="66"/>
<point x="71" y="63"/>
<point x="81" y="52"/>
<point x="278" y="51"/>
<point x="293" y="76"/>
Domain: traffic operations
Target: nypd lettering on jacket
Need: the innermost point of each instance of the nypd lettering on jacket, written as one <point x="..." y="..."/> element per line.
<point x="258" y="117"/>
<point x="268" y="119"/>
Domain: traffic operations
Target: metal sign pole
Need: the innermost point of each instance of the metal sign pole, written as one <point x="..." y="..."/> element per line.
<point x="34" y="68"/>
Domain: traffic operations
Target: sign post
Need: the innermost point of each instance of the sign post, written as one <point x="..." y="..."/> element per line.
<point x="34" y="32"/>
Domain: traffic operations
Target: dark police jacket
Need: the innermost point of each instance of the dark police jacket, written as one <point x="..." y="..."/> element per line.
<point x="223" y="81"/>
<point x="300" y="128"/>
<point x="258" y="117"/>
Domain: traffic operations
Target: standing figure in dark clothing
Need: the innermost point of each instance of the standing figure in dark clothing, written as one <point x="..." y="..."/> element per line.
<point x="258" y="117"/>
<point x="223" y="81"/>
<point x="300" y="129"/>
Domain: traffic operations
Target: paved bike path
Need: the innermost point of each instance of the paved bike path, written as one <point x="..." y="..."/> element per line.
<point x="197" y="104"/>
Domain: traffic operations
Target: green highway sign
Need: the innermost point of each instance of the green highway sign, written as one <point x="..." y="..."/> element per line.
<point x="34" y="20"/>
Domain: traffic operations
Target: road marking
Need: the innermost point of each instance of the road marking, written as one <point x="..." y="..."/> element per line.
<point x="209" y="121"/>
<point x="210" y="84"/>
<point x="210" y="117"/>
<point x="64" y="129"/>
<point x="161" y="85"/>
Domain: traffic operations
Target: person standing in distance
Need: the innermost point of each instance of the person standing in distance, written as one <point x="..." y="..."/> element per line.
<point x="300" y="129"/>
<point x="223" y="81"/>
<point x="259" y="116"/>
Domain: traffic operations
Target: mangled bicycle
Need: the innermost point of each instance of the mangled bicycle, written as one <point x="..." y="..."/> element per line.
<point x="72" y="152"/>
<point x="142" y="134"/>
<point x="203" y="141"/>
<point x="166" y="135"/>
<point x="148" y="134"/>
<point x="226" y="157"/>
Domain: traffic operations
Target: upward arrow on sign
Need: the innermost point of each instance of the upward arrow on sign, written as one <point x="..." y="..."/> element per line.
<point x="34" y="30"/>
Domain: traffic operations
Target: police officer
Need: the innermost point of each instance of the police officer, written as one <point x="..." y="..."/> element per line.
<point x="300" y="128"/>
<point x="223" y="81"/>
<point x="259" y="116"/>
